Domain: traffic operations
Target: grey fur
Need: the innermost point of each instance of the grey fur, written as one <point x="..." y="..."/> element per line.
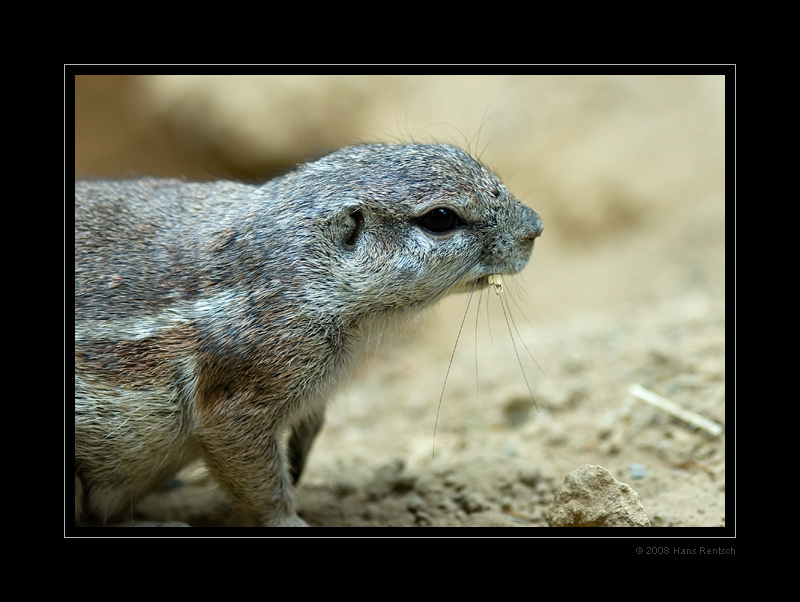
<point x="211" y="319"/>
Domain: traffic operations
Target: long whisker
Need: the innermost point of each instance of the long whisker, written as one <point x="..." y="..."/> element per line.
<point x="521" y="340"/>
<point x="450" y="365"/>
<point x="522" y="291"/>
<point x="488" y="319"/>
<point x="516" y="351"/>
<point x="477" y="317"/>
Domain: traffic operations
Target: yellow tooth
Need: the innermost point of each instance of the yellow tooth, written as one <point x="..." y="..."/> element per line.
<point x="496" y="280"/>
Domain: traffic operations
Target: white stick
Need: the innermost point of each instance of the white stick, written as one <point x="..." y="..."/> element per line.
<point x="673" y="408"/>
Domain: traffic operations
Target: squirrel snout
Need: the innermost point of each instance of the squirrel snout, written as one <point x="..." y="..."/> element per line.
<point x="532" y="225"/>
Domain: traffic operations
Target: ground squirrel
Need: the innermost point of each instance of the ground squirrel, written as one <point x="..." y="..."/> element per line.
<point x="214" y="319"/>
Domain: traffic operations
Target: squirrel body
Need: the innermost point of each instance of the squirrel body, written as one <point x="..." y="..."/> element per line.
<point x="214" y="319"/>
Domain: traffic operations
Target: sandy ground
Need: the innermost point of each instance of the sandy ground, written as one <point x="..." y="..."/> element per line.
<point x="626" y="287"/>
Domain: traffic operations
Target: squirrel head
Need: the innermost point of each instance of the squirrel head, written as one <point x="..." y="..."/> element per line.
<point x="402" y="225"/>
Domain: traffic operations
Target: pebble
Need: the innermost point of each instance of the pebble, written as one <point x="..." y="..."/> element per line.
<point x="592" y="497"/>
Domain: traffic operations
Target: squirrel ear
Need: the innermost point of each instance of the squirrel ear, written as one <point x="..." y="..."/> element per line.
<point x="351" y="223"/>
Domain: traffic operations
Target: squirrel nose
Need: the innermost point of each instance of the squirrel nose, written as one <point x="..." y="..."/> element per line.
<point x="532" y="224"/>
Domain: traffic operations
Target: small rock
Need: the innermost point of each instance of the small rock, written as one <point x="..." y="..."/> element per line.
<point x="345" y="486"/>
<point x="470" y="503"/>
<point x="416" y="504"/>
<point x="517" y="411"/>
<point x="637" y="471"/>
<point x="531" y="476"/>
<point x="591" y="497"/>
<point x="389" y="478"/>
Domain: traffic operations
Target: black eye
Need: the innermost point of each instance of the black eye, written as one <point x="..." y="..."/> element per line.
<point x="440" y="220"/>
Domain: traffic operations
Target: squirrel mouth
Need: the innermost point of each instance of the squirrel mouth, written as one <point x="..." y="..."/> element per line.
<point x="495" y="280"/>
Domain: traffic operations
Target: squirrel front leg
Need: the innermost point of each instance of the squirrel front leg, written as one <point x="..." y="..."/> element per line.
<point x="245" y="454"/>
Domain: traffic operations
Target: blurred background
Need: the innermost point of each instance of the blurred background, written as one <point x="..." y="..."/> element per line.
<point x="602" y="159"/>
